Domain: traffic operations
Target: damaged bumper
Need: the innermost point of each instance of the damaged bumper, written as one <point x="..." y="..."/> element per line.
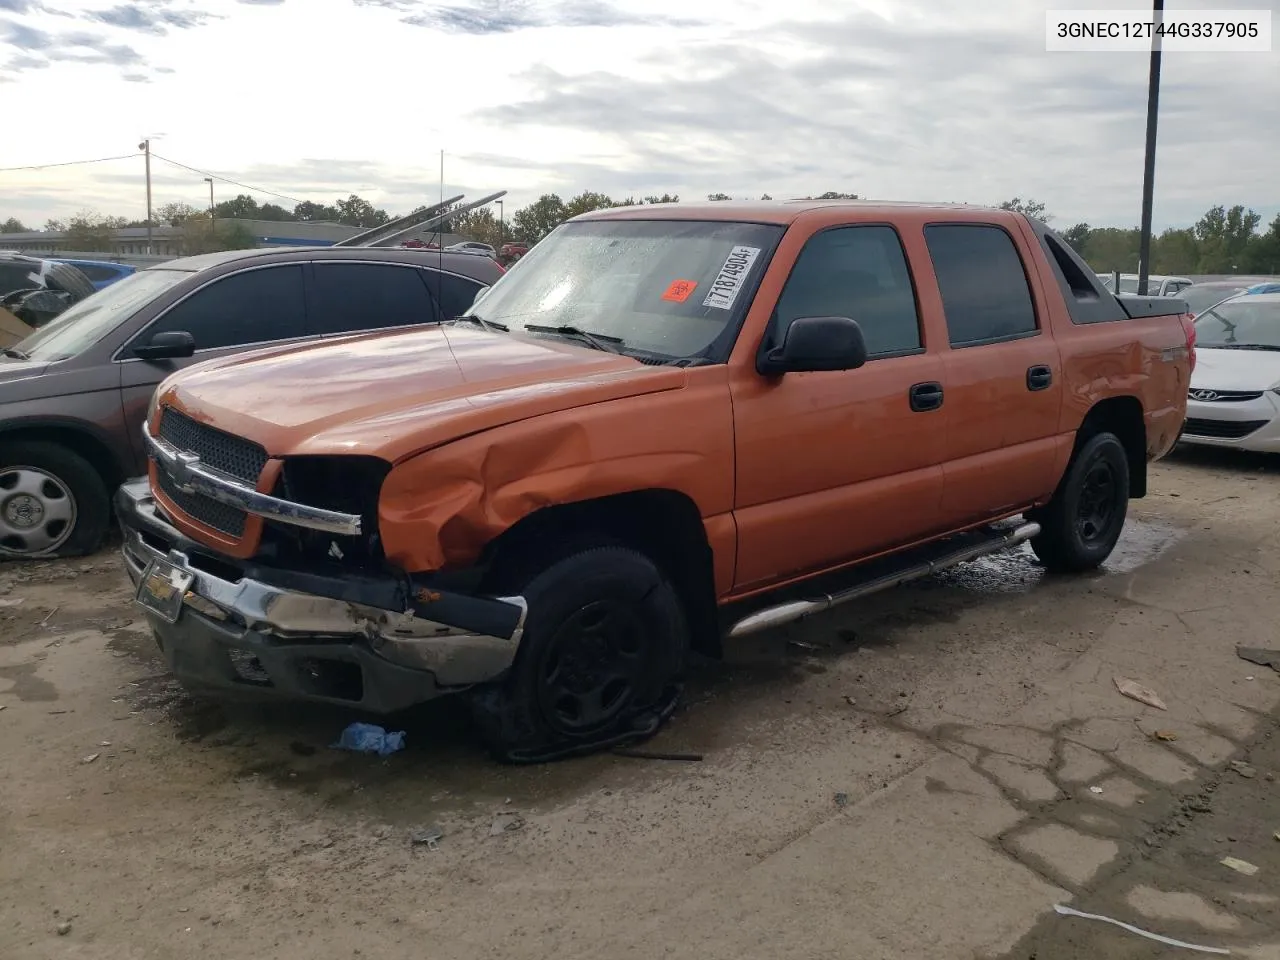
<point x="374" y="642"/>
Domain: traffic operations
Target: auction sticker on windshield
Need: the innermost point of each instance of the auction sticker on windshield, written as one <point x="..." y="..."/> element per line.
<point x="725" y="287"/>
<point x="680" y="290"/>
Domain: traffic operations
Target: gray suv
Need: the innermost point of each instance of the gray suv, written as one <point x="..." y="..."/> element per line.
<point x="74" y="394"/>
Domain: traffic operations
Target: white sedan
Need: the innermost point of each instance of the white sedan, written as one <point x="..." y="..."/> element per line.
<point x="1234" y="399"/>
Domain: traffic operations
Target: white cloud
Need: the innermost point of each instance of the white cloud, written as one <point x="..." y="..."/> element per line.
<point x="899" y="99"/>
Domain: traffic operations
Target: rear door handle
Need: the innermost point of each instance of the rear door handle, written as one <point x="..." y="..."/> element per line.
<point x="925" y="396"/>
<point x="1039" y="377"/>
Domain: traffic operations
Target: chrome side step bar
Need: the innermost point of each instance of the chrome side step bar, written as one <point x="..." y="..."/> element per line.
<point x="771" y="617"/>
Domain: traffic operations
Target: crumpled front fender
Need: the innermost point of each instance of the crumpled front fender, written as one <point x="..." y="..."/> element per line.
<point x="439" y="509"/>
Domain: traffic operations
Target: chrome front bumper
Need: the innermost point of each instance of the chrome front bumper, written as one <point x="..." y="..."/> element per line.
<point x="192" y="476"/>
<point x="248" y="613"/>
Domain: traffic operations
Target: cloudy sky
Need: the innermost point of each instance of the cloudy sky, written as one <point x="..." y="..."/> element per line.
<point x="892" y="99"/>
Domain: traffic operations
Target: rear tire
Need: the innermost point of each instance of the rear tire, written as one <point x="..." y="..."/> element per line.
<point x="600" y="662"/>
<point x="1079" y="527"/>
<point x="53" y="503"/>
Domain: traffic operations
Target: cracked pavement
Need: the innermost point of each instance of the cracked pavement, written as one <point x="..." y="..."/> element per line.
<point x="989" y="769"/>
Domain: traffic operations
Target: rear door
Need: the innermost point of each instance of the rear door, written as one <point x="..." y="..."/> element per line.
<point x="254" y="307"/>
<point x="1002" y="373"/>
<point x="355" y="297"/>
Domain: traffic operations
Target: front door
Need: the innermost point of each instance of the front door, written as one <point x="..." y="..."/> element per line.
<point x="1002" y="372"/>
<point x="836" y="466"/>
<point x="257" y="306"/>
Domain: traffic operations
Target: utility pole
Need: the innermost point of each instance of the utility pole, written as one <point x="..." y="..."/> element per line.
<point x="1149" y="164"/>
<point x="502" y="223"/>
<point x="145" y="146"/>
<point x="212" y="214"/>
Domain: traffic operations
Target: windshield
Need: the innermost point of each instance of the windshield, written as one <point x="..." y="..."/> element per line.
<point x="1200" y="298"/>
<point x="83" y="324"/>
<point x="1240" y="324"/>
<point x="660" y="289"/>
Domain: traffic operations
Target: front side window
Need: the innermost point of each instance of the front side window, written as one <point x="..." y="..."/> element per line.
<point x="660" y="289"/>
<point x="352" y="297"/>
<point x="256" y="306"/>
<point x="860" y="273"/>
<point x="985" y="293"/>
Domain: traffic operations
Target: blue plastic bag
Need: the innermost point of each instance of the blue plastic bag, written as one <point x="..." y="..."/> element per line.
<point x="370" y="738"/>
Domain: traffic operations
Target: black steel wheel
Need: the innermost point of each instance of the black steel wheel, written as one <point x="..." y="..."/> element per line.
<point x="1081" y="524"/>
<point x="600" y="662"/>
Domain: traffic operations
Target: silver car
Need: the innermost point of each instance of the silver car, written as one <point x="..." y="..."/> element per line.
<point x="1234" y="398"/>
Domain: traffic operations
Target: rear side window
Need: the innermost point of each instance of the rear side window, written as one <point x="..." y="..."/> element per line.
<point x="352" y="297"/>
<point x="860" y="273"/>
<point x="985" y="293"/>
<point x="256" y="306"/>
<point x="455" y="294"/>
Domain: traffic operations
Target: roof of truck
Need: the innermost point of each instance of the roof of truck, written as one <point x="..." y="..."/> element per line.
<point x="767" y="211"/>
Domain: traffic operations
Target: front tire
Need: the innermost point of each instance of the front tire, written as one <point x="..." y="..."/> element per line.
<point x="52" y="502"/>
<point x="1081" y="524"/>
<point x="600" y="663"/>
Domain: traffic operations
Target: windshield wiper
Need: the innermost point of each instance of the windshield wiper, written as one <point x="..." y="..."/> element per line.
<point x="15" y="354"/>
<point x="601" y="341"/>
<point x="485" y="324"/>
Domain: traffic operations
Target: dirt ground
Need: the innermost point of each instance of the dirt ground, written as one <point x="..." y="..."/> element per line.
<point x="924" y="775"/>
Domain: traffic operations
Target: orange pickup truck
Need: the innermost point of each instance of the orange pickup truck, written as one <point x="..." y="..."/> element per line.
<point x="664" y="426"/>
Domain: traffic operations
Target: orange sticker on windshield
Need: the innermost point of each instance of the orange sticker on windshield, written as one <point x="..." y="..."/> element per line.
<point x="680" y="290"/>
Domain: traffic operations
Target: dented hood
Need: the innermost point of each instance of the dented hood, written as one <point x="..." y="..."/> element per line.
<point x="394" y="395"/>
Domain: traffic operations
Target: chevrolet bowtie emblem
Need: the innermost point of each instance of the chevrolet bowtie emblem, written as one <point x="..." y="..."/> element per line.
<point x="180" y="471"/>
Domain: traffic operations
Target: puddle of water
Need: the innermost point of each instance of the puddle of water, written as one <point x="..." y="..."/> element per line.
<point x="26" y="685"/>
<point x="1142" y="542"/>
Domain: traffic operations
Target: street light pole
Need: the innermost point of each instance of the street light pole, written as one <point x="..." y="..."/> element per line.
<point x="145" y="146"/>
<point x="212" y="215"/>
<point x="1149" y="164"/>
<point x="502" y="223"/>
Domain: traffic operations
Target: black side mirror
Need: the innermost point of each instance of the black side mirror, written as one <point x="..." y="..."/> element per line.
<point x="816" y="343"/>
<point x="167" y="346"/>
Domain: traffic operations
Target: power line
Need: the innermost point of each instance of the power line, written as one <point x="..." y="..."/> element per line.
<point x="215" y="176"/>
<point x="69" y="163"/>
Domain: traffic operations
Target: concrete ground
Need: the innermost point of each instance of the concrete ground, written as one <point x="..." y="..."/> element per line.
<point x="924" y="775"/>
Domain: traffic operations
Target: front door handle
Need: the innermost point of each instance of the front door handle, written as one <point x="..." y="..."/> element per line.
<point x="925" y="396"/>
<point x="1039" y="377"/>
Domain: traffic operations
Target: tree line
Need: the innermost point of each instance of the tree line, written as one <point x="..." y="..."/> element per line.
<point x="1223" y="240"/>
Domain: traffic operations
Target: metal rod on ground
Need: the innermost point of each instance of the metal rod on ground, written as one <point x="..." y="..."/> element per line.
<point x="1149" y="165"/>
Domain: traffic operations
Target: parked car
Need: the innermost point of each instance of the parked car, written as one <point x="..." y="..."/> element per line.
<point x="665" y="421"/>
<point x="1157" y="285"/>
<point x="74" y="394"/>
<point x="1234" y="399"/>
<point x="34" y="291"/>
<point x="474" y="247"/>
<point x="511" y="252"/>
<point x="1201" y="296"/>
<point x="101" y="273"/>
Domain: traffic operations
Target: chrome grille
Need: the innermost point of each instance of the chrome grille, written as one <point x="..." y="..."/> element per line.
<point x="229" y="454"/>
<point x="1223" y="396"/>
<point x="211" y="513"/>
